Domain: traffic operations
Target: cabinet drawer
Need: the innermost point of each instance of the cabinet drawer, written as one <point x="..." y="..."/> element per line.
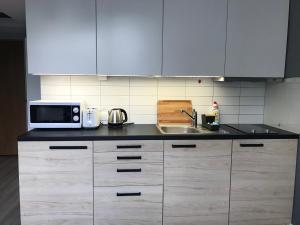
<point x="38" y="146"/>
<point x="128" y="205"/>
<point x="128" y="173"/>
<point x="128" y="146"/>
<point x="127" y="157"/>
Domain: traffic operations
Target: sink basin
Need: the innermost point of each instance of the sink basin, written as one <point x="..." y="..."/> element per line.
<point x="178" y="130"/>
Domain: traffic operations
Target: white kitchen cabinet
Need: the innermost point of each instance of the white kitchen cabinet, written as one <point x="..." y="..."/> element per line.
<point x="194" y="37"/>
<point x="129" y="37"/>
<point x="256" y="38"/>
<point x="262" y="181"/>
<point x="56" y="183"/>
<point x="197" y="182"/>
<point x="61" y="37"/>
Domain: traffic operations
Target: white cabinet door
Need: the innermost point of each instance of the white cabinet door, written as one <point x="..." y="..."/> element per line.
<point x="256" y="38"/>
<point x="262" y="182"/>
<point x="61" y="36"/>
<point x="194" y="37"/>
<point x="56" y="183"/>
<point x="129" y="37"/>
<point x="197" y="182"/>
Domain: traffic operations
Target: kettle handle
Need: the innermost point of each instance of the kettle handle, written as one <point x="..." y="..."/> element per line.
<point x="125" y="114"/>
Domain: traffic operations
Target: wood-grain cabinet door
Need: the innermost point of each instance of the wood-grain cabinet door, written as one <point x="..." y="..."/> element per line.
<point x="262" y="187"/>
<point x="128" y="205"/>
<point x="56" y="183"/>
<point x="197" y="182"/>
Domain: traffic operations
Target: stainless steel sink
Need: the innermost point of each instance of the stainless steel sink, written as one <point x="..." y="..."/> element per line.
<point x="181" y="130"/>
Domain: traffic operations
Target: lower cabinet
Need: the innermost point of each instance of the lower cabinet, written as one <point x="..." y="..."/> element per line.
<point x="197" y="182"/>
<point x="128" y="205"/>
<point x="128" y="178"/>
<point x="262" y="187"/>
<point x="56" y="183"/>
<point x="172" y="182"/>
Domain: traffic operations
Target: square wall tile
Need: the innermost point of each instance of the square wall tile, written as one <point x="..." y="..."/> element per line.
<point x="226" y="91"/>
<point x="114" y="100"/>
<point x="143" y="82"/>
<point x="56" y="80"/>
<point x="252" y="101"/>
<point x="199" y="82"/>
<point x="143" y="91"/>
<point x="55" y="90"/>
<point x="114" y="90"/>
<point x="85" y="90"/>
<point x="171" y="82"/>
<point x="143" y="100"/>
<point x="199" y="91"/>
<point x="85" y="81"/>
<point x="115" y="81"/>
<point x="171" y="91"/>
<point x="227" y="100"/>
<point x="253" y="92"/>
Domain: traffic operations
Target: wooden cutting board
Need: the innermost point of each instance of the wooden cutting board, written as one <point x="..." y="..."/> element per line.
<point x="169" y="112"/>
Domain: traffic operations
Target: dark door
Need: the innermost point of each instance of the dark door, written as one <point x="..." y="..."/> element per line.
<point x="12" y="95"/>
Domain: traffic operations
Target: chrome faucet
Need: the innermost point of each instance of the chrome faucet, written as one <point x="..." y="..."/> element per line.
<point x="193" y="117"/>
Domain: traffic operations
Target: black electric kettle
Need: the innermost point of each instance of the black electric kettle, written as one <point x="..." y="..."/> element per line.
<point x="117" y="117"/>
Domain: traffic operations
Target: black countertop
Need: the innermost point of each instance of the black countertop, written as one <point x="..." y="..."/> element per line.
<point x="141" y="132"/>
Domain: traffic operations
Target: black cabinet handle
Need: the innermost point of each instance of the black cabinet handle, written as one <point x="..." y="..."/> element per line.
<point x="251" y="145"/>
<point x="67" y="147"/>
<point x="128" y="146"/>
<point x="129" y="170"/>
<point x="129" y="194"/>
<point x="184" y="146"/>
<point x="129" y="157"/>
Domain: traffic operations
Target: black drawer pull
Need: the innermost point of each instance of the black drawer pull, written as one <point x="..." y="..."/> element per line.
<point x="129" y="194"/>
<point x="129" y="170"/>
<point x="67" y="147"/>
<point x="129" y="157"/>
<point x="184" y="146"/>
<point x="128" y="146"/>
<point x="251" y="145"/>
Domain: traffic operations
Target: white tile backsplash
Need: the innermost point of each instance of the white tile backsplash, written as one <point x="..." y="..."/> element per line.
<point x="253" y="92"/>
<point x="240" y="102"/>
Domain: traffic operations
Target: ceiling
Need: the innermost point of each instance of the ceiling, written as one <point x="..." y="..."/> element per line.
<point x="13" y="28"/>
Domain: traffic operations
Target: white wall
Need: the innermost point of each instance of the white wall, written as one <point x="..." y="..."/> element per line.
<point x="283" y="104"/>
<point x="240" y="102"/>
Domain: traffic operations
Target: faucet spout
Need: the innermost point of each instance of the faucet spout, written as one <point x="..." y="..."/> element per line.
<point x="194" y="117"/>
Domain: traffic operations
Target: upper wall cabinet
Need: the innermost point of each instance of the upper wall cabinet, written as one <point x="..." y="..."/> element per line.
<point x="129" y="37"/>
<point x="256" y="38"/>
<point x="292" y="68"/>
<point x="194" y="37"/>
<point x="61" y="36"/>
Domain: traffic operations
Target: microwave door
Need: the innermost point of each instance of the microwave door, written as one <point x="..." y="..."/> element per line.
<point x="51" y="114"/>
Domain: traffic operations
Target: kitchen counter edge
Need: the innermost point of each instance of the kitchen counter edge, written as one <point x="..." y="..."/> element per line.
<point x="139" y="132"/>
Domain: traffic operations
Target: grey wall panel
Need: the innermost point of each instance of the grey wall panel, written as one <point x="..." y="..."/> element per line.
<point x="194" y="37"/>
<point x="61" y="36"/>
<point x="129" y="37"/>
<point x="256" y="38"/>
<point x="293" y="49"/>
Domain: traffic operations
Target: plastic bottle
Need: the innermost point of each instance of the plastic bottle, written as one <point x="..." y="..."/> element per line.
<point x="216" y="112"/>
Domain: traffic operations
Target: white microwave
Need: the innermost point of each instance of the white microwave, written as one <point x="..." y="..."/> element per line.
<point x="55" y="114"/>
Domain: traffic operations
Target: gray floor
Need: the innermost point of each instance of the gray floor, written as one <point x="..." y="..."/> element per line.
<point x="9" y="191"/>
